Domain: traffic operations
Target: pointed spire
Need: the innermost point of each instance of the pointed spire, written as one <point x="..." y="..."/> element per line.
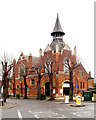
<point x="57" y="27"/>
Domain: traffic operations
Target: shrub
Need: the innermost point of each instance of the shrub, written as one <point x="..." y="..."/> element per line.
<point x="95" y="85"/>
<point x="42" y="97"/>
<point x="17" y="96"/>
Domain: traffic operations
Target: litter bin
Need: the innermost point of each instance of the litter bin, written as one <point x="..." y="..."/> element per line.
<point x="78" y="100"/>
<point x="87" y="96"/>
<point x="66" y="99"/>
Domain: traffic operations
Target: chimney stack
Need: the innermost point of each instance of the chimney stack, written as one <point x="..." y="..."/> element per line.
<point x="75" y="51"/>
<point x="89" y="74"/>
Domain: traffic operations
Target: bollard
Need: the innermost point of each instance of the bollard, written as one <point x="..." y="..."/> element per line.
<point x="78" y="100"/>
<point x="66" y="99"/>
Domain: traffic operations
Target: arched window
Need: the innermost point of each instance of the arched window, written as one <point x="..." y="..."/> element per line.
<point x="21" y="70"/>
<point x="67" y="63"/>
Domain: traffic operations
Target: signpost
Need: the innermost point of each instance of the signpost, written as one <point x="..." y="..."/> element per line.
<point x="76" y="87"/>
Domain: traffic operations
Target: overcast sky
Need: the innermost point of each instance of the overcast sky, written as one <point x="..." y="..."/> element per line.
<point x="25" y="25"/>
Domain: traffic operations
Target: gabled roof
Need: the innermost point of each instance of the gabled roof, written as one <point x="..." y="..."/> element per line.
<point x="35" y="61"/>
<point x="66" y="47"/>
<point x="48" y="48"/>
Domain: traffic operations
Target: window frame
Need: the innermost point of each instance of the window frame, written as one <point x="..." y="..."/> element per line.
<point x="80" y="85"/>
<point x="83" y="85"/>
<point x="31" y="82"/>
<point x="17" y="87"/>
<point x="66" y="69"/>
<point x="80" y="73"/>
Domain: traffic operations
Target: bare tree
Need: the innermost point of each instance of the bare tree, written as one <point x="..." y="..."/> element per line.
<point x="24" y="73"/>
<point x="44" y="67"/>
<point x="71" y="68"/>
<point x="48" y="67"/>
<point x="38" y="70"/>
<point x="6" y="68"/>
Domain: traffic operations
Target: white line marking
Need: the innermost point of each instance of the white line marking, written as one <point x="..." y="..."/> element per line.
<point x="40" y="112"/>
<point x="60" y="109"/>
<point x="75" y="114"/>
<point x="56" y="113"/>
<point x="19" y="114"/>
<point x="30" y="111"/>
<point x="62" y="115"/>
<point x="36" y="116"/>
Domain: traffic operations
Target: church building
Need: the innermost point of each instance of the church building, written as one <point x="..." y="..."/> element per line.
<point x="59" y="51"/>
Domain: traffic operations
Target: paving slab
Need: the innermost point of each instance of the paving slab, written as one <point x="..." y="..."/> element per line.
<point x="9" y="105"/>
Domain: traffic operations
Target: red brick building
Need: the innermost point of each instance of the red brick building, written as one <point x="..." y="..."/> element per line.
<point x="58" y="51"/>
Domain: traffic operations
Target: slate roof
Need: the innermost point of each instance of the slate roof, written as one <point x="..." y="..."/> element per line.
<point x="35" y="60"/>
<point x="61" y="45"/>
<point x="58" y="40"/>
<point x="57" y="27"/>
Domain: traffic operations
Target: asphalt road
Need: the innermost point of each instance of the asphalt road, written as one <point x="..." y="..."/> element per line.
<point x="31" y="108"/>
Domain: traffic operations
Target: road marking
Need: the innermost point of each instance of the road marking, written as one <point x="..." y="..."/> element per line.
<point x="75" y="114"/>
<point x="40" y="112"/>
<point x="62" y="115"/>
<point x="34" y="114"/>
<point x="56" y="113"/>
<point x="30" y="111"/>
<point x="19" y="114"/>
<point x="60" y="109"/>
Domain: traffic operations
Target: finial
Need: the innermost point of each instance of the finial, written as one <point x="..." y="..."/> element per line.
<point x="21" y="53"/>
<point x="57" y="14"/>
<point x="40" y="52"/>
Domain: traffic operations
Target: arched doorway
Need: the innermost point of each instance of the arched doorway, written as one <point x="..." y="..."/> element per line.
<point x="66" y="88"/>
<point x="47" y="89"/>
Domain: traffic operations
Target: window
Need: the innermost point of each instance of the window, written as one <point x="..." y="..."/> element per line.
<point x="80" y="85"/>
<point x="32" y="82"/>
<point x="21" y="70"/>
<point x="17" y="86"/>
<point x="10" y="88"/>
<point x="83" y="85"/>
<point x="66" y="66"/>
<point x="80" y="73"/>
<point x="46" y="68"/>
<point x="10" y="82"/>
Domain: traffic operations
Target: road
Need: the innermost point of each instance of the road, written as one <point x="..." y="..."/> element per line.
<point x="31" y="108"/>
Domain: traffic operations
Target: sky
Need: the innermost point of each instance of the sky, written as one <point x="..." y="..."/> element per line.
<point x="26" y="25"/>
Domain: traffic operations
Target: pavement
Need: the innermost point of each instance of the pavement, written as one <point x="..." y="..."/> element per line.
<point x="8" y="105"/>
